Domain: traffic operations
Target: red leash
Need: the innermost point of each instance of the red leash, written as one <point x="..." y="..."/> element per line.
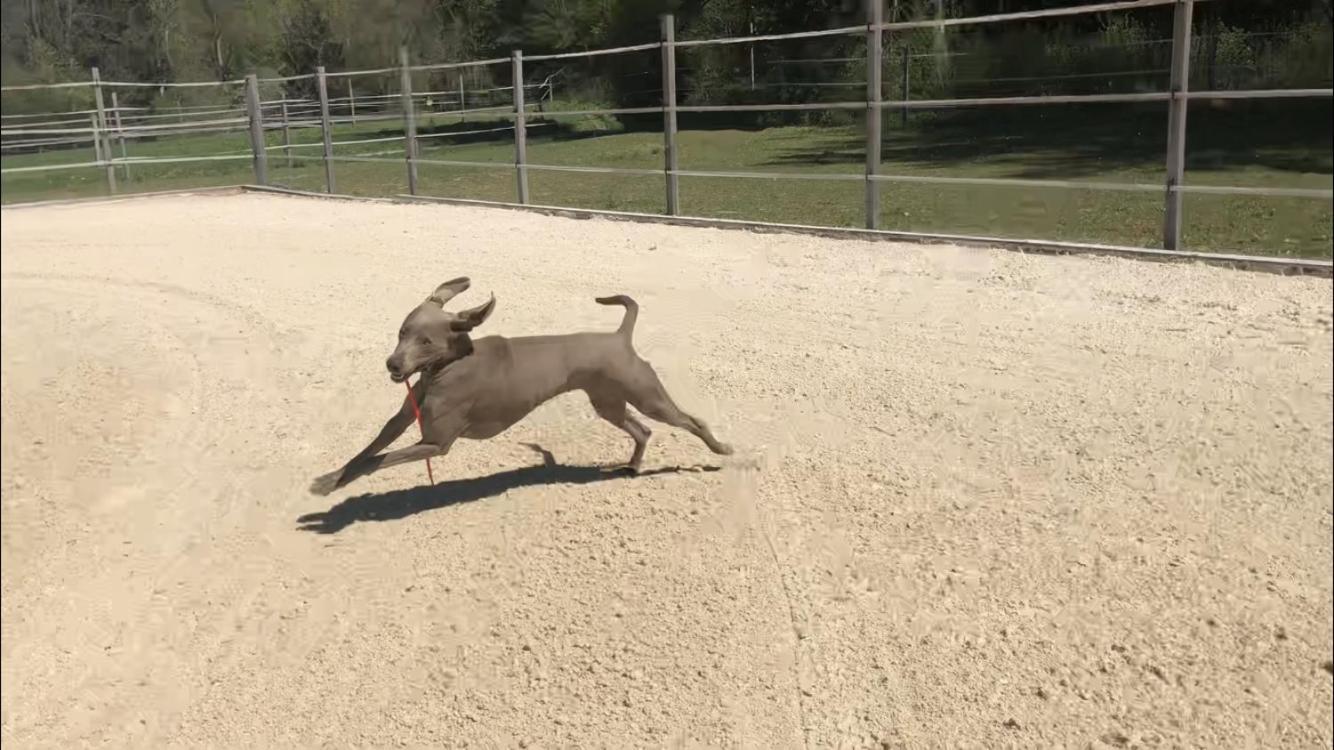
<point x="412" y="397"/>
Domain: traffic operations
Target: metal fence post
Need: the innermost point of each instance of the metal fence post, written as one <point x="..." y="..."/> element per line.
<point x="103" y="131"/>
<point x="97" y="139"/>
<point x="903" y="113"/>
<point x="669" y="166"/>
<point x="261" y="157"/>
<point x="752" y="57"/>
<point x="322" y="84"/>
<point x="1213" y="57"/>
<point x="287" y="132"/>
<point x="462" y="106"/>
<point x="351" y="102"/>
<point x="874" y="17"/>
<point x="120" y="135"/>
<point x="1176" y="123"/>
<point x="520" y="127"/>
<point x="409" y="119"/>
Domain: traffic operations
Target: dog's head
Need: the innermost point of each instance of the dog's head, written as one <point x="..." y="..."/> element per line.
<point x="430" y="336"/>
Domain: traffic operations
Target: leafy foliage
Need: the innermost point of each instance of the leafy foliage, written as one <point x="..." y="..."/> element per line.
<point x="1261" y="42"/>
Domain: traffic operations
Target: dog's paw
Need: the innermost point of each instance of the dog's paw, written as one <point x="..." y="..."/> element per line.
<point x="325" y="484"/>
<point x="724" y="449"/>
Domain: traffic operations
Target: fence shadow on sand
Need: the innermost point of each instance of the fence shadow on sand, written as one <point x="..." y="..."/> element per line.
<point x="399" y="504"/>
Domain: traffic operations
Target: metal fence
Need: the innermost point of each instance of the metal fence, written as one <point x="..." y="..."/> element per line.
<point x="108" y="125"/>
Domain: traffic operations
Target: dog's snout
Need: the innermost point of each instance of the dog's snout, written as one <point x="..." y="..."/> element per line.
<point x="392" y="366"/>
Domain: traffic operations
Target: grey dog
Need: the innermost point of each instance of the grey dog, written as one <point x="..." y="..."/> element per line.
<point x="478" y="389"/>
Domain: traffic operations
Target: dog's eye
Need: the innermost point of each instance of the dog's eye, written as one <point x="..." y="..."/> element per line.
<point x="425" y="339"/>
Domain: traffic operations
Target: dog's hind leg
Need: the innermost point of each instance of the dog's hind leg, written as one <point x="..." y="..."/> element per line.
<point x="649" y="397"/>
<point x="612" y="409"/>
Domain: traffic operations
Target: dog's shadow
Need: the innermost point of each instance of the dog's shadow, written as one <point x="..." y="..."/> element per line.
<point x="397" y="504"/>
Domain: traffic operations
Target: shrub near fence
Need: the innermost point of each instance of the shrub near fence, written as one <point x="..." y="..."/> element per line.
<point x="1159" y="72"/>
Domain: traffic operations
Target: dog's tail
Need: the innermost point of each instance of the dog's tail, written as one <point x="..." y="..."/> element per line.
<point x="631" y="312"/>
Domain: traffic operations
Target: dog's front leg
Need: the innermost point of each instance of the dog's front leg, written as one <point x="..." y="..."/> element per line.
<point x="391" y="431"/>
<point x="360" y="468"/>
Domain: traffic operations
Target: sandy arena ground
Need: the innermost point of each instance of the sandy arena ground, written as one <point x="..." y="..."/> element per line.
<point x="981" y="499"/>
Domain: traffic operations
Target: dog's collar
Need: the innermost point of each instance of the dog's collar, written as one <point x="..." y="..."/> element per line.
<point x="437" y="369"/>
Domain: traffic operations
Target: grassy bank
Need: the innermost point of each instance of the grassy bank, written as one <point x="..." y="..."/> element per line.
<point x="1265" y="145"/>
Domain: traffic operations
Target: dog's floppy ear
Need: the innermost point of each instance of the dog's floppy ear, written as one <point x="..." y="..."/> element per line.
<point x="448" y="290"/>
<point x="473" y="317"/>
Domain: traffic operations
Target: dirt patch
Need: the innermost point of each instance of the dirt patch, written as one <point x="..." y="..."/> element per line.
<point x="980" y="498"/>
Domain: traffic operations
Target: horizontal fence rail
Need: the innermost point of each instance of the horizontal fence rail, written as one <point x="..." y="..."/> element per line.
<point x="842" y="31"/>
<point x="107" y="125"/>
<point x="455" y="65"/>
<point x="1029" y="15"/>
<point x="594" y="53"/>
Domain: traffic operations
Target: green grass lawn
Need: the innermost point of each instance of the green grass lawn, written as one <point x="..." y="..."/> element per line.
<point x="1089" y="145"/>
